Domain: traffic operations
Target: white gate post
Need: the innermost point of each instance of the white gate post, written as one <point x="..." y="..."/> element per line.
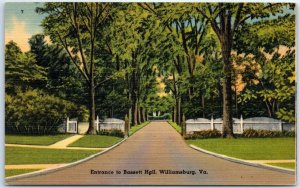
<point x="280" y="126"/>
<point x="212" y="123"/>
<point x="242" y="124"/>
<point x="97" y="123"/>
<point x="76" y="127"/>
<point x="67" y="128"/>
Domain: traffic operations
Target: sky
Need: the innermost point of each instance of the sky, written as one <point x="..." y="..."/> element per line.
<point x="19" y="26"/>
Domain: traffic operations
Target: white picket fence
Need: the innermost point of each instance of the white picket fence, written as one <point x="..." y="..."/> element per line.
<point x="72" y="126"/>
<point x="239" y="125"/>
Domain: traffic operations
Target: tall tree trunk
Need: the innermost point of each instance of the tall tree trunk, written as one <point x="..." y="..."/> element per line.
<point x="133" y="114"/>
<point x="227" y="92"/>
<point x="129" y="117"/>
<point x="138" y="115"/>
<point x="178" y="119"/>
<point x="92" y="129"/>
<point x="134" y="92"/>
<point x="224" y="32"/>
<point x="143" y="119"/>
<point x="174" y="114"/>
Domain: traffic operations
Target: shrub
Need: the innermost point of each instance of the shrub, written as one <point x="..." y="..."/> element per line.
<point x="203" y="134"/>
<point x="251" y="133"/>
<point x="34" y="112"/>
<point x="112" y="132"/>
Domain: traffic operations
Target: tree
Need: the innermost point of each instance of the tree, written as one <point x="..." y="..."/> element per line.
<point x="77" y="27"/>
<point x="225" y="19"/>
<point x="273" y="56"/>
<point x="132" y="40"/>
<point x="35" y="112"/>
<point x="62" y="78"/>
<point x="21" y="70"/>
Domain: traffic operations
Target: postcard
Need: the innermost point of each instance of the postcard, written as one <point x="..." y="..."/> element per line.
<point x="150" y="93"/>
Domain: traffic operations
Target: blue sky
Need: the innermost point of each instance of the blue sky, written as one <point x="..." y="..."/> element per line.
<point x="21" y="26"/>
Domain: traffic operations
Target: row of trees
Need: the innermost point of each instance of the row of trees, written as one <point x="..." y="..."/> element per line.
<point x="108" y="57"/>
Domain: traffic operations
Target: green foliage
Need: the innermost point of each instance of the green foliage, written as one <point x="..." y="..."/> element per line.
<point x="35" y="112"/>
<point x="274" y="84"/>
<point x="269" y="34"/>
<point x="166" y="116"/>
<point x="21" y="70"/>
<point x="203" y="134"/>
<point x="251" y="133"/>
<point x="111" y="132"/>
<point x="175" y="126"/>
<point x="155" y="103"/>
<point x="286" y="115"/>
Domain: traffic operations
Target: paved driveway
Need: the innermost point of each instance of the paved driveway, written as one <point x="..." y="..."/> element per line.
<point x="158" y="147"/>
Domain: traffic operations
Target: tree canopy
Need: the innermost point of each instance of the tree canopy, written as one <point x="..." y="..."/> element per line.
<point x="135" y="59"/>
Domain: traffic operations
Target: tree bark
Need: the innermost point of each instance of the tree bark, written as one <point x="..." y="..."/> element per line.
<point x="146" y="114"/>
<point x="92" y="129"/>
<point x="174" y="114"/>
<point x="178" y="119"/>
<point x="138" y="115"/>
<point x="143" y="118"/>
<point x="227" y="92"/>
<point x="134" y="91"/>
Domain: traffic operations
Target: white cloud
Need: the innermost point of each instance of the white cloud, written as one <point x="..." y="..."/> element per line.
<point x="18" y="34"/>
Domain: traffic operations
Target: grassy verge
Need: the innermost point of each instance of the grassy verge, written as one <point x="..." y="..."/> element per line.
<point x="19" y="155"/>
<point x="175" y="126"/>
<point x="250" y="148"/>
<point x="14" y="172"/>
<point x="284" y="165"/>
<point x="96" y="141"/>
<point x="35" y="140"/>
<point x="137" y="127"/>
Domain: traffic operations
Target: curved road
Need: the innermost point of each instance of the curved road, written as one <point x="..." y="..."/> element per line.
<point x="159" y="147"/>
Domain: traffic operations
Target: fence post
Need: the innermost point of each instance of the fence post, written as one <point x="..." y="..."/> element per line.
<point x="242" y="124"/>
<point x="97" y="123"/>
<point x="280" y="125"/>
<point x="212" y="123"/>
<point x="76" y="127"/>
<point x="67" y="127"/>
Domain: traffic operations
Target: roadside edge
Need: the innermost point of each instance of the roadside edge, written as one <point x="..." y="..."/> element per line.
<point x="244" y="162"/>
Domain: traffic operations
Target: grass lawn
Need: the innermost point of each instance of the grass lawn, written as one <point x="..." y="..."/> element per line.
<point x="137" y="127"/>
<point x="96" y="141"/>
<point x="175" y="126"/>
<point x="19" y="155"/>
<point x="284" y="165"/>
<point x="13" y="172"/>
<point x="250" y="148"/>
<point x="35" y="140"/>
